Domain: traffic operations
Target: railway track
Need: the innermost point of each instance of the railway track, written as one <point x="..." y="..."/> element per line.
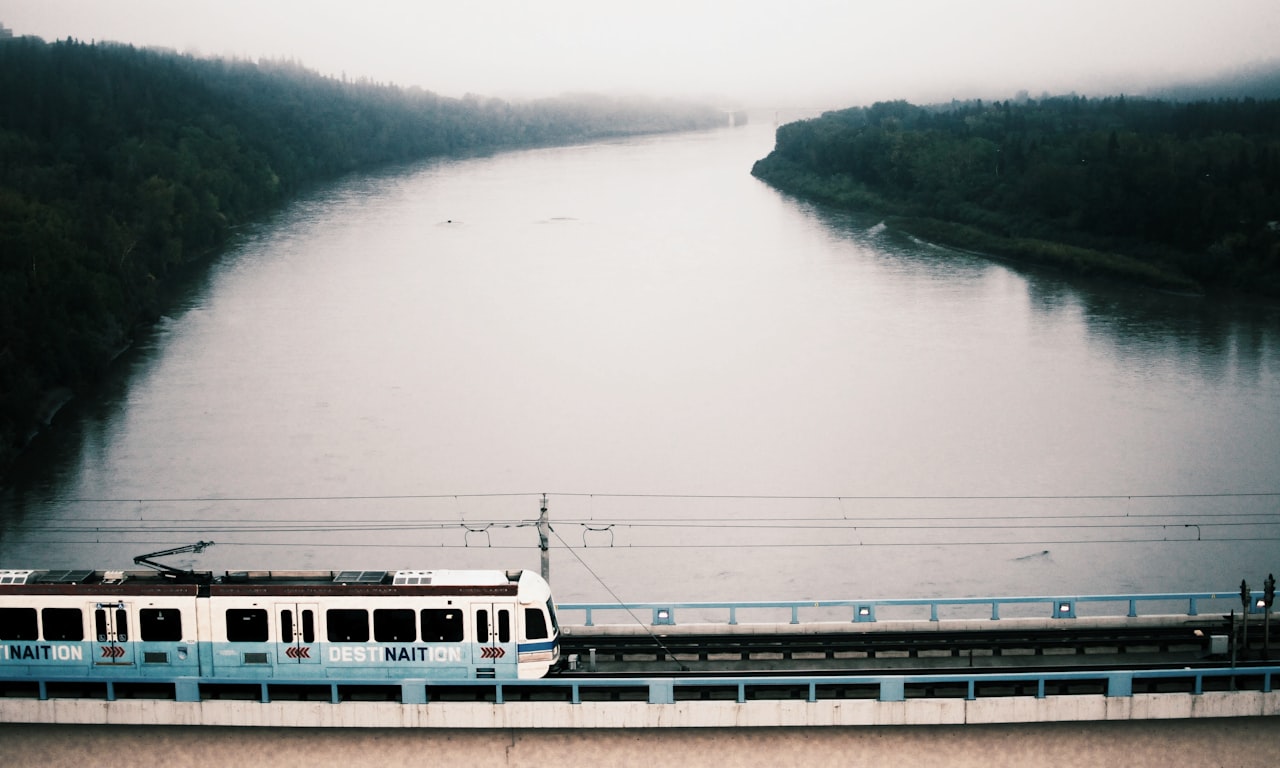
<point x="891" y="645"/>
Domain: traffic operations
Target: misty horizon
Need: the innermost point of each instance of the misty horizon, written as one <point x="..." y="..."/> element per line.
<point x="807" y="54"/>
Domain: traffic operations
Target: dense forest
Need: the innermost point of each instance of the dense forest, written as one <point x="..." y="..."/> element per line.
<point x="120" y="167"/>
<point x="1184" y="196"/>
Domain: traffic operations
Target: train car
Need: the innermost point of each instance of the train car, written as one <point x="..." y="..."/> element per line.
<point x="277" y="625"/>
<point x="87" y="624"/>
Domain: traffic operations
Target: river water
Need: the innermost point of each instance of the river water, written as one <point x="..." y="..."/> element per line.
<point x="726" y="394"/>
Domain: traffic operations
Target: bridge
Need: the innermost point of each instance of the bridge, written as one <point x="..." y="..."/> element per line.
<point x="782" y="664"/>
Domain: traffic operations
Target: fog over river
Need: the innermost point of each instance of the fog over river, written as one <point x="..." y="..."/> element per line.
<point x="725" y="392"/>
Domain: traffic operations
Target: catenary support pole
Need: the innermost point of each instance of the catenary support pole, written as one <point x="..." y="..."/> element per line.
<point x="543" y="527"/>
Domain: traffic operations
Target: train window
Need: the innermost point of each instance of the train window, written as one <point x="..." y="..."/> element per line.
<point x="482" y="626"/>
<point x="394" y="625"/>
<point x="308" y="626"/>
<point x="286" y="626"/>
<point x="246" y="625"/>
<point x="535" y="624"/>
<point x="504" y="626"/>
<point x="442" y="625"/>
<point x="17" y="623"/>
<point x="62" y="623"/>
<point x="347" y="625"/>
<point x="551" y="611"/>
<point x="160" y="624"/>
<point x="120" y="626"/>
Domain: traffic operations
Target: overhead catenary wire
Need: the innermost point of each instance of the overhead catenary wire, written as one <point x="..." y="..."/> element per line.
<point x="618" y="600"/>
<point x="735" y="545"/>
<point x="689" y="496"/>
<point x="1106" y="523"/>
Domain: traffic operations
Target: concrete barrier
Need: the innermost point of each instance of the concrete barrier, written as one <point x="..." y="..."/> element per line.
<point x="639" y="714"/>
<point x="1238" y="742"/>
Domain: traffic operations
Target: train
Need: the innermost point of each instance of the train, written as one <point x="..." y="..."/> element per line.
<point x="277" y="626"/>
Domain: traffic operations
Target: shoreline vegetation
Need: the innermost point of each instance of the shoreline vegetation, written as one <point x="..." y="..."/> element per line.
<point x="1183" y="197"/>
<point x="123" y="170"/>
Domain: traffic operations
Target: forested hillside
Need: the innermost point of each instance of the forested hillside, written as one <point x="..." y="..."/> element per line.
<point x="1180" y="195"/>
<point x="119" y="166"/>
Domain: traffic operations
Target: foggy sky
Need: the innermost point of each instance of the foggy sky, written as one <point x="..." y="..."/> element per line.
<point x="810" y="53"/>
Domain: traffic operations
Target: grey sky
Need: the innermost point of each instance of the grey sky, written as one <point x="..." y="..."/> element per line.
<point x="818" y="53"/>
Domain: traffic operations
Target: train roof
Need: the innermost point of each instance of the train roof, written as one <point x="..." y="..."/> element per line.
<point x="432" y="578"/>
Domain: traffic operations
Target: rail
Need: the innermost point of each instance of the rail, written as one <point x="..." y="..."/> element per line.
<point x="858" y="611"/>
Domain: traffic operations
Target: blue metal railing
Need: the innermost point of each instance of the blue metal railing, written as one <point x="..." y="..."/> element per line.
<point x="1062" y="607"/>
<point x="660" y="690"/>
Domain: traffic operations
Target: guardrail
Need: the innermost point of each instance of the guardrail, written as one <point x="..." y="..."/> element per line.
<point x="1059" y="607"/>
<point x="660" y="690"/>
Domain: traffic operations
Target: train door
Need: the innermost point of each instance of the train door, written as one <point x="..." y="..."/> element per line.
<point x="296" y="626"/>
<point x="113" y="635"/>
<point x="494" y="650"/>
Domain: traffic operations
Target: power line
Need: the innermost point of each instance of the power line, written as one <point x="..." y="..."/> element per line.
<point x="226" y="528"/>
<point x="930" y="497"/>
<point x="631" y="520"/>
<point x="1142" y="523"/>
<point x="214" y="499"/>
<point x="775" y="545"/>
<point x="746" y="497"/>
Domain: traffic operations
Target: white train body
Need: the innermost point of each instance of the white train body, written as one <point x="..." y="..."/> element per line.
<point x="277" y="626"/>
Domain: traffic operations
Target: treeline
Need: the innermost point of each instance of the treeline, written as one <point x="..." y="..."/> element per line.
<point x="120" y="166"/>
<point x="1181" y="195"/>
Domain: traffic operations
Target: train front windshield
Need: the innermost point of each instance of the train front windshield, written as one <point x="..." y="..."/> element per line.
<point x="555" y="623"/>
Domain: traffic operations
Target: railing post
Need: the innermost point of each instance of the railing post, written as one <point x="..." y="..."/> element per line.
<point x="733" y="615"/>
<point x="663" y="691"/>
<point x="893" y="689"/>
<point x="1133" y="608"/>
<point x="413" y="693"/>
<point x="1119" y="684"/>
<point x="186" y="690"/>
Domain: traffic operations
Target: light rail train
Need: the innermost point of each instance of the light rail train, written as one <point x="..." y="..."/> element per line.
<point x="276" y="625"/>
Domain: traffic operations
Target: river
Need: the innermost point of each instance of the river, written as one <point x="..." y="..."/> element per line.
<point x="725" y="392"/>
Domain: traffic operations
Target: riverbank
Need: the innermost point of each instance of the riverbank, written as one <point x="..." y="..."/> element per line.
<point x="843" y="192"/>
<point x="1181" y="197"/>
<point x="1070" y="259"/>
<point x="101" y="219"/>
